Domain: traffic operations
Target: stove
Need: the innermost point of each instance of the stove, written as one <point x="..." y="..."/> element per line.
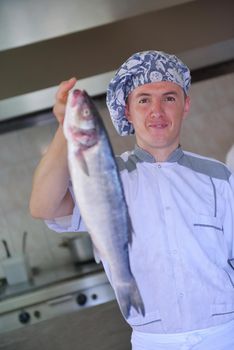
<point x="26" y="304"/>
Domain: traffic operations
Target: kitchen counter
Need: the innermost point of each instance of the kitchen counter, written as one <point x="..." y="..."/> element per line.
<point x="101" y="328"/>
<point x="45" y="278"/>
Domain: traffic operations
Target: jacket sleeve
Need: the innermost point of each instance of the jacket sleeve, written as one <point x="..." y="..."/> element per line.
<point x="70" y="223"/>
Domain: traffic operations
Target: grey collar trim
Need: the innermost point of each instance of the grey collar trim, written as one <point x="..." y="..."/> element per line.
<point x="147" y="157"/>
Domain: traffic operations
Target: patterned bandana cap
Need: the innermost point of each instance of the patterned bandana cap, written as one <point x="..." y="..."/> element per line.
<point x="142" y="68"/>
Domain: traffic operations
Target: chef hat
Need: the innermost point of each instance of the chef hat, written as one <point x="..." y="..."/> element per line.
<point x="142" y="68"/>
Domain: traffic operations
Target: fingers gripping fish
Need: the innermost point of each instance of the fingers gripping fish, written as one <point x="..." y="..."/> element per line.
<point x="99" y="193"/>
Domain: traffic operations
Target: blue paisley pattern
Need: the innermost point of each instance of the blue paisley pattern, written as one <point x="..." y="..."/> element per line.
<point x="142" y="68"/>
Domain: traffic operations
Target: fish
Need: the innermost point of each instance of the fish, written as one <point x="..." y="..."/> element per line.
<point x="99" y="193"/>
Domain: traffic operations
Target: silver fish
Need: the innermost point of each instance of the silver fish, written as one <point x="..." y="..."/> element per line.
<point x="99" y="193"/>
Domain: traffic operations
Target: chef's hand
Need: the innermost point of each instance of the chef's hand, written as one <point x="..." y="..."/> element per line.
<point x="61" y="99"/>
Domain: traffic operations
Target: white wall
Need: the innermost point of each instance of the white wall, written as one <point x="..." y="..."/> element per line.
<point x="20" y="153"/>
<point x="209" y="130"/>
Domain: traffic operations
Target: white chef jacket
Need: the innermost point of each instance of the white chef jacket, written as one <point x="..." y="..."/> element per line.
<point x="182" y="251"/>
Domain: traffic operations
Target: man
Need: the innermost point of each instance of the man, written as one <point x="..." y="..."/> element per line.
<point x="181" y="206"/>
<point x="230" y="158"/>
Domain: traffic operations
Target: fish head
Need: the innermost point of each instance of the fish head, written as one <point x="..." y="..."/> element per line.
<point x="80" y="123"/>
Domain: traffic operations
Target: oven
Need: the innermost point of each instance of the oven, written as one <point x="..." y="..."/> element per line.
<point x="29" y="304"/>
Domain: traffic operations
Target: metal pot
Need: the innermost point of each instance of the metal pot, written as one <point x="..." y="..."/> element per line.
<point x="81" y="248"/>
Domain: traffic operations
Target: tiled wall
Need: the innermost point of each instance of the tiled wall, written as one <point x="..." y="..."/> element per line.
<point x="209" y="130"/>
<point x="20" y="152"/>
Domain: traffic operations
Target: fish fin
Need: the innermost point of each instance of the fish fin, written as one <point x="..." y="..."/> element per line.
<point x="128" y="295"/>
<point x="136" y="299"/>
<point x="80" y="158"/>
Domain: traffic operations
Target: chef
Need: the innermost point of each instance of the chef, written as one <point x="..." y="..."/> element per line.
<point x="181" y="205"/>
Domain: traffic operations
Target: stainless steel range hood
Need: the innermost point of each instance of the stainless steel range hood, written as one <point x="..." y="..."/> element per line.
<point x="90" y="39"/>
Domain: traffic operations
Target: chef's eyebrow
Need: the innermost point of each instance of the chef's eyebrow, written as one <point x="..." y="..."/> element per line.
<point x="140" y="94"/>
<point x="172" y="92"/>
<point x="146" y="94"/>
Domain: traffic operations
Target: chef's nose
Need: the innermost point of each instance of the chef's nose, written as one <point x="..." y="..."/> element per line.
<point x="156" y="108"/>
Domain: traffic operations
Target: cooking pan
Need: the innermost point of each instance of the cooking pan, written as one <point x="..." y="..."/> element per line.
<point x="81" y="248"/>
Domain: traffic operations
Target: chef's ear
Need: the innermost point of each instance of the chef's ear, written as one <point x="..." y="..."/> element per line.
<point x="127" y="112"/>
<point x="187" y="104"/>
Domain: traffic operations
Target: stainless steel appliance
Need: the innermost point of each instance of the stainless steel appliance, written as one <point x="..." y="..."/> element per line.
<point x="81" y="247"/>
<point x="23" y="305"/>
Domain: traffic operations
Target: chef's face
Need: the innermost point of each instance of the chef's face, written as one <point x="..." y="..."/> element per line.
<point x="156" y="111"/>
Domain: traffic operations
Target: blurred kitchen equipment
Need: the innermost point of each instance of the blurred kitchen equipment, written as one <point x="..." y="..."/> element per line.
<point x="53" y="292"/>
<point x="6" y="248"/>
<point x="16" y="267"/>
<point x="88" y="288"/>
<point x="25" y="234"/>
<point x="81" y="248"/>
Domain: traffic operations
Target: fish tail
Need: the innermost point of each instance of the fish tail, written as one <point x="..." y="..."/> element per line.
<point x="128" y="295"/>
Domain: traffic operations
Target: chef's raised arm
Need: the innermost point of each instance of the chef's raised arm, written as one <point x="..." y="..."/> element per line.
<point x="50" y="196"/>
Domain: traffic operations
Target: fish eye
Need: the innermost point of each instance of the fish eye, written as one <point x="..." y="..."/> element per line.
<point x="86" y="112"/>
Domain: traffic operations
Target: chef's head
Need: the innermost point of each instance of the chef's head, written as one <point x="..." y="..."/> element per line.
<point x="139" y="69"/>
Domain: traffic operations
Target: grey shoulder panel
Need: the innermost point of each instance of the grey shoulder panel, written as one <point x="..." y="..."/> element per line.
<point x="129" y="164"/>
<point x="120" y="163"/>
<point x="205" y="166"/>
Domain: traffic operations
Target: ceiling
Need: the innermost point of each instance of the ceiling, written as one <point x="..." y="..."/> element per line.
<point x="44" y="42"/>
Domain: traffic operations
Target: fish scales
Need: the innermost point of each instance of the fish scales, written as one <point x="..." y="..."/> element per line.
<point x="99" y="193"/>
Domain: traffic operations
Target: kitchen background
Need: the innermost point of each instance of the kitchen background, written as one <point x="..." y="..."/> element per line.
<point x="89" y="40"/>
<point x="209" y="130"/>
